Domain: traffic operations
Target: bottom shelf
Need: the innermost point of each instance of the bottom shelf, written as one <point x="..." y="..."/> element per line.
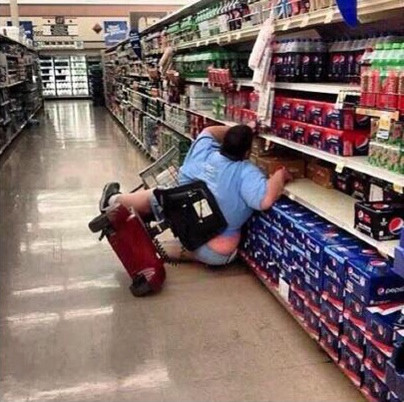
<point x="277" y="293"/>
<point x="15" y="135"/>
<point x="132" y="136"/>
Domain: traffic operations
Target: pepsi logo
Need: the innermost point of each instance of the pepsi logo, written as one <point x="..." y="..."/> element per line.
<point x="351" y="360"/>
<point x="396" y="225"/>
<point x="362" y="145"/>
<point x="360" y="215"/>
<point x="350" y="270"/>
<point x="380" y="329"/>
<point x="381" y="291"/>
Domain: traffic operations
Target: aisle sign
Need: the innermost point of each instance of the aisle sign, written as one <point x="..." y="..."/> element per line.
<point x="115" y="32"/>
<point x="135" y="42"/>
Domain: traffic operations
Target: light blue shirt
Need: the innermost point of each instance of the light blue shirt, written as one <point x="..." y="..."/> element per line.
<point x="238" y="187"/>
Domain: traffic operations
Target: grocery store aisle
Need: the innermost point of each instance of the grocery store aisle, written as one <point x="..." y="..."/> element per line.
<point x="71" y="330"/>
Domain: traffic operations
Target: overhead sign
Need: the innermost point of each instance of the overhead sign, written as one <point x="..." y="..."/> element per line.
<point x="115" y="32"/>
<point x="28" y="28"/>
<point x="134" y="39"/>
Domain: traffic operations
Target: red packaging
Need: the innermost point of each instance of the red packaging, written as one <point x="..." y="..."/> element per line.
<point x="315" y="113"/>
<point x="286" y="108"/>
<point x="314" y="136"/>
<point x="388" y="94"/>
<point x="345" y="143"/>
<point x="254" y="100"/>
<point x="284" y="129"/>
<point x="338" y="119"/>
<point x="299" y="112"/>
<point x="299" y="132"/>
<point x="277" y="112"/>
<point x="237" y="114"/>
<point x="400" y="91"/>
<point x="230" y="113"/>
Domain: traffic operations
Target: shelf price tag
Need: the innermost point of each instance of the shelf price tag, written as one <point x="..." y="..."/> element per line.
<point x="198" y="44"/>
<point x="305" y="20"/>
<point x="238" y="35"/>
<point x="385" y="121"/>
<point x="398" y="188"/>
<point x="206" y="42"/>
<point x="340" y="167"/>
<point x="329" y="16"/>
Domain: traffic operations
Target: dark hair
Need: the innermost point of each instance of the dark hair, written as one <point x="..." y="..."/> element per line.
<point x="237" y="142"/>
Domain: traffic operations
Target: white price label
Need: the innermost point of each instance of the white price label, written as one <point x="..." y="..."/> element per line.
<point x="340" y="167"/>
<point x="238" y="35"/>
<point x="398" y="188"/>
<point x="206" y="42"/>
<point x="198" y="44"/>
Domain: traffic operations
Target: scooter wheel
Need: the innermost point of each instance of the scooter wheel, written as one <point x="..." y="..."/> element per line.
<point x="140" y="286"/>
<point x="99" y="223"/>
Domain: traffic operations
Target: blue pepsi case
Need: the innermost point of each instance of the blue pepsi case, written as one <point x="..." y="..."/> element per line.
<point x="382" y="325"/>
<point x="373" y="281"/>
<point x="333" y="292"/>
<point x="330" y="343"/>
<point x="376" y="361"/>
<point x="336" y="258"/>
<point x="331" y="317"/>
<point x="355" y="310"/>
<point x="353" y="337"/>
<point x="352" y="365"/>
<point x="373" y="387"/>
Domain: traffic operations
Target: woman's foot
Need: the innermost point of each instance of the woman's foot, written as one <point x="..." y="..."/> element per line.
<point x="109" y="190"/>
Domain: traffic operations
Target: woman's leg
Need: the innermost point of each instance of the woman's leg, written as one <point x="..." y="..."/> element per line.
<point x="139" y="201"/>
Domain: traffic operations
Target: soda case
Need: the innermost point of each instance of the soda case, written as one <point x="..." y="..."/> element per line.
<point x="382" y="221"/>
<point x="297" y="303"/>
<point x="330" y="342"/>
<point x="336" y="258"/>
<point x="382" y="325"/>
<point x="297" y="283"/>
<point x="389" y="157"/>
<point x="304" y="226"/>
<point x="312" y="300"/>
<point x="315" y="136"/>
<point x="373" y="387"/>
<point x="373" y="281"/>
<point x="276" y="236"/>
<point x="313" y="276"/>
<point x="351" y="365"/>
<point x="353" y="337"/>
<point x="333" y="292"/>
<point x="395" y="369"/>
<point x="312" y="322"/>
<point x="399" y="257"/>
<point x="354" y="310"/>
<point x="318" y="240"/>
<point x="376" y="361"/>
<point x="345" y="143"/>
<point x="331" y="317"/>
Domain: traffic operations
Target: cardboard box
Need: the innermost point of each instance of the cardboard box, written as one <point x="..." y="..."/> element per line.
<point x="271" y="164"/>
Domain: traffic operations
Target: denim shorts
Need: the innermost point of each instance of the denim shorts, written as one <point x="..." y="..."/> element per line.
<point x="204" y="253"/>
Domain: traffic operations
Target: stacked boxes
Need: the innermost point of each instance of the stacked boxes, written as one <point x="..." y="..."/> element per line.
<point x="320" y="125"/>
<point x="344" y="293"/>
<point x="386" y="148"/>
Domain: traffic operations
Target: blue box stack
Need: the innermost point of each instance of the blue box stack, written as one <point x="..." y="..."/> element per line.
<point x="348" y="296"/>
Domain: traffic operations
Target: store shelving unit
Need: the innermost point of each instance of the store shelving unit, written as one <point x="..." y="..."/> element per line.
<point x="64" y="77"/>
<point x="20" y="89"/>
<point x="332" y="205"/>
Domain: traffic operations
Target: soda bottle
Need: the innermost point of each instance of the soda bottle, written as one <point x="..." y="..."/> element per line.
<point x="307" y="60"/>
<point x="400" y="90"/>
<point x="387" y="97"/>
<point x="295" y="61"/>
<point x="319" y="60"/>
<point x="332" y="65"/>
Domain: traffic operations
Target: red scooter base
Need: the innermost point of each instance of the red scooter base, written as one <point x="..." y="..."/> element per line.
<point x="133" y="245"/>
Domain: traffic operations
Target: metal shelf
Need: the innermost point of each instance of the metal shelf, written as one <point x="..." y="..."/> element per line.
<point x="336" y="207"/>
<point x="15" y="135"/>
<point x="12" y="84"/>
<point x="358" y="163"/>
<point x="323" y="88"/>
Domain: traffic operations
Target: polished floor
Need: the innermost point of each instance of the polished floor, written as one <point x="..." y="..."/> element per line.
<point x="71" y="331"/>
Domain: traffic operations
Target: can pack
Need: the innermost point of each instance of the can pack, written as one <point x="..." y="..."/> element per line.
<point x="381" y="221"/>
<point x="373" y="281"/>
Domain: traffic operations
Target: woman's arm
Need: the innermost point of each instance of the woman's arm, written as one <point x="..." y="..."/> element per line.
<point x="275" y="186"/>
<point x="218" y="132"/>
